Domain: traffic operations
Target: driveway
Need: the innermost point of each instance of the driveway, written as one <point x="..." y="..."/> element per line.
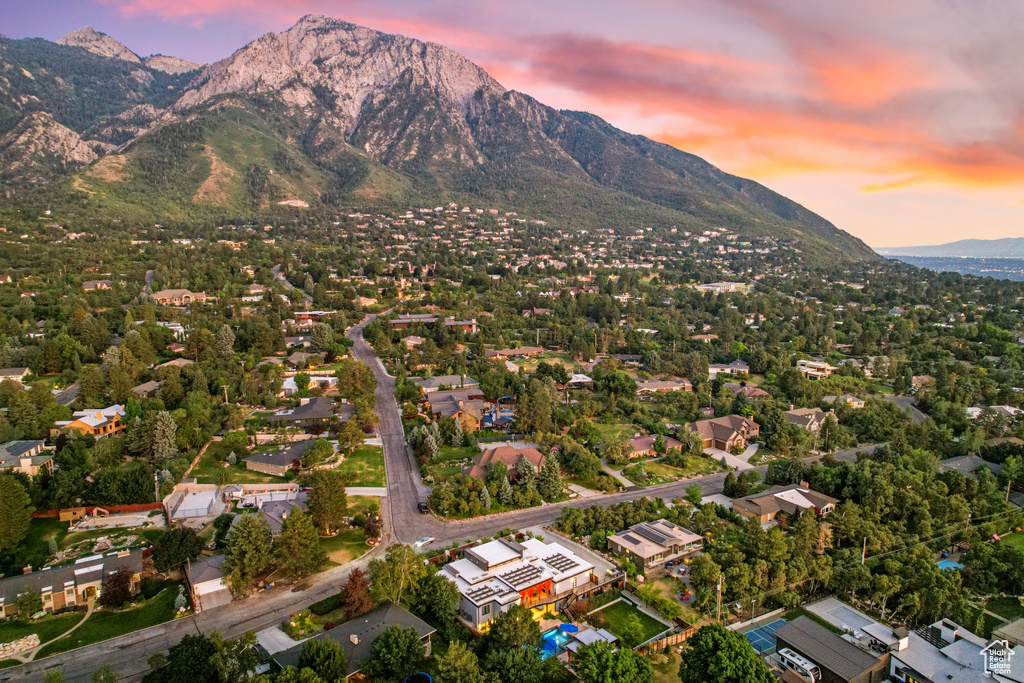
<point x="617" y="475"/>
<point x="740" y="462"/>
<point x="908" y="402"/>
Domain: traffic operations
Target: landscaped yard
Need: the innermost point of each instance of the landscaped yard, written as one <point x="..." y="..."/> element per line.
<point x="110" y="624"/>
<point x="46" y="628"/>
<point x="549" y="357"/>
<point x="670" y="587"/>
<point x="616" y="614"/>
<point x="1016" y="540"/>
<point x="668" y="671"/>
<point x="360" y="504"/>
<point x="365" y="467"/>
<point x="448" y="453"/>
<point x="610" y="431"/>
<point x="602" y="482"/>
<point x="209" y="469"/>
<point x="347" y="545"/>
<point x="1008" y="608"/>
<point x="654" y="472"/>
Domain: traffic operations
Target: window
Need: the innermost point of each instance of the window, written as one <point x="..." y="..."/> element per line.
<point x="486" y="609"/>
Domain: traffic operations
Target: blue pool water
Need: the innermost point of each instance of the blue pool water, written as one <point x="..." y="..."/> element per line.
<point x="553" y="642"/>
<point x="950" y="564"/>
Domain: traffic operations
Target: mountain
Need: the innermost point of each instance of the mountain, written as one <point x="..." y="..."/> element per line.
<point x="1007" y="247"/>
<point x="330" y="113"/>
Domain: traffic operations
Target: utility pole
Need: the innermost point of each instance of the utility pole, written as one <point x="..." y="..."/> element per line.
<point x="1007" y="491"/>
<point x="864" y="552"/>
<point x="718" y="607"/>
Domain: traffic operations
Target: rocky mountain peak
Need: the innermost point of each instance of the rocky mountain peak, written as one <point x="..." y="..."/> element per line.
<point x="171" y="65"/>
<point x="323" y="59"/>
<point x="100" y="44"/>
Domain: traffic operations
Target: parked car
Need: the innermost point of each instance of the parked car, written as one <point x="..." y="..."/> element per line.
<point x="423" y="508"/>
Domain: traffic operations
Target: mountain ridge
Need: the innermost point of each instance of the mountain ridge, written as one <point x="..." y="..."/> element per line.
<point x="338" y="113"/>
<point x="1005" y="247"/>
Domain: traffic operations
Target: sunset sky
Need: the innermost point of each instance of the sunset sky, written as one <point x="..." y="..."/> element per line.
<point x="901" y="122"/>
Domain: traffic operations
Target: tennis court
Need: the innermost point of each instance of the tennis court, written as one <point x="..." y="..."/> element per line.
<point x="762" y="639"/>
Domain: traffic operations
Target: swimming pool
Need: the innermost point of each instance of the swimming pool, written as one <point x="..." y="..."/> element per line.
<point x="553" y="642"/>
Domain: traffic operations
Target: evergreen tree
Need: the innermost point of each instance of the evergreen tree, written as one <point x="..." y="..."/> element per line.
<point x="162" y="435"/>
<point x="15" y="513"/>
<point x="297" y="547"/>
<point x="549" y="484"/>
<point x="328" y="503"/>
<point x="225" y="341"/>
<point x="485" y="498"/>
<point x="249" y="550"/>
<point x="321" y="337"/>
<point x="505" y="492"/>
<point x="458" y="435"/>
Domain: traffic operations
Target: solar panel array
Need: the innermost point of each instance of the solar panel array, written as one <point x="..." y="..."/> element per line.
<point x="561" y="562"/>
<point x="482" y="592"/>
<point x="651" y="535"/>
<point x="523" y="575"/>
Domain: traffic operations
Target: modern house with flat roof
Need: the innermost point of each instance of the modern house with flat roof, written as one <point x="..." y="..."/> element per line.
<point x="837" y="660"/>
<point x="309" y="412"/>
<point x="431" y="384"/>
<point x="356" y="636"/>
<point x="650" y="544"/>
<point x="496" y="575"/>
<point x="27" y="457"/>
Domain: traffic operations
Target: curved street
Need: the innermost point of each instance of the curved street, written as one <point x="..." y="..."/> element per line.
<point x="402" y="523"/>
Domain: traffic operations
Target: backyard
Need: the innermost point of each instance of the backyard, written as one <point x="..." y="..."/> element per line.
<point x="655" y="472"/>
<point x="549" y="357"/>
<point x="346" y="546"/>
<point x="211" y="470"/>
<point x="365" y="467"/>
<point x="611" y="431"/>
<point x="104" y="625"/>
<point x="614" y="616"/>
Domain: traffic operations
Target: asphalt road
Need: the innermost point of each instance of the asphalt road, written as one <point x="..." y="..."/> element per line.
<point x="287" y="285"/>
<point x="402" y="523"/>
<point x="904" y="402"/>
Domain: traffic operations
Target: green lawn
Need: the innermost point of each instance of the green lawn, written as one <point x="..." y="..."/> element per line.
<point x="616" y="613"/>
<point x="610" y="431"/>
<point x="360" y="504"/>
<point x="347" y="545"/>
<point x="210" y="468"/>
<point x="448" y="453"/>
<point x="1016" y="540"/>
<point x="46" y="628"/>
<point x="668" y="671"/>
<point x="8" y="663"/>
<point x="1009" y="608"/>
<point x="991" y="622"/>
<point x="443" y="472"/>
<point x="602" y="482"/>
<point x="549" y="357"/>
<point x="110" y="624"/>
<point x="35" y="548"/>
<point x="365" y="467"/>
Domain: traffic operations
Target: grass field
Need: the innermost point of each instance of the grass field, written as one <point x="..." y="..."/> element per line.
<point x="210" y="468"/>
<point x="602" y="482"/>
<point x="365" y="467"/>
<point x="668" y="671"/>
<point x="1008" y="608"/>
<point x="610" y="431"/>
<point x="46" y="628"/>
<point x="617" y="613"/>
<point x="347" y="545"/>
<point x="109" y="624"/>
<point x="360" y="504"/>
<point x="1016" y="540"/>
<point x="669" y="587"/>
<point x="549" y="357"/>
<point x="448" y="453"/>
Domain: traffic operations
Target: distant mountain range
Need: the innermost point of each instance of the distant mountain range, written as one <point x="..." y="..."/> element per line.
<point x="328" y="113"/>
<point x="1007" y="247"/>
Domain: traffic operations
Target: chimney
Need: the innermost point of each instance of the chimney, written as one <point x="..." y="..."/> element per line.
<point x="354" y="638"/>
<point x="99" y="415"/>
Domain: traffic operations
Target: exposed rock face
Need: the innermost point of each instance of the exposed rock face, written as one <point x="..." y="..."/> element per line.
<point x="39" y="148"/>
<point x="342" y="65"/>
<point x="99" y="43"/>
<point x="171" y="65"/>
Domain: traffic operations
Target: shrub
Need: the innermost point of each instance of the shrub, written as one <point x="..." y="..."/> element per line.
<point x="299" y="626"/>
<point x="328" y="604"/>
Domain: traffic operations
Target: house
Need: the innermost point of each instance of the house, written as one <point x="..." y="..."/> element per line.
<point x="95" y="422"/>
<point x="737" y="367"/>
<point x="364" y="301"/>
<point x="968" y="465"/>
<point x="178" y="297"/>
<point x="14" y="374"/>
<point x="814" y="369"/>
<point x="432" y="384"/>
<point x="27" y="457"/>
<point x="643" y="446"/>
<point x="278" y="463"/>
<point x="809" y="419"/>
<point x="578" y="381"/>
<point x="650" y="544"/>
<point x="356" y="636"/>
<point x="412" y="341"/>
<point x="310" y="411"/>
<point x="494" y="576"/>
<point x="302" y="340"/>
<point x="791" y="500"/>
<point x="752" y="393"/>
<point x="301" y="359"/>
<point x="534" y="312"/>
<point x="176" y="347"/>
<point x="657" y="386"/>
<point x="206" y="585"/>
<point x="323" y="382"/>
<point x="521" y="352"/>
<point x="465" y="405"/>
<point x="918" y="382"/>
<point x="92" y="285"/>
<point x="68" y="585"/>
<point x="726" y="432"/>
<point x="412" y="319"/>
<point x="854" y="402"/>
<point x="509" y="456"/>
<point x="147" y="389"/>
<point x="834" y="660"/>
<point x="175" y="362"/>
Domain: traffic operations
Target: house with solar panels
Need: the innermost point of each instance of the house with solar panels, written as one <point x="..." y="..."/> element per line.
<point x="494" y="576"/>
<point x="650" y="544"/>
